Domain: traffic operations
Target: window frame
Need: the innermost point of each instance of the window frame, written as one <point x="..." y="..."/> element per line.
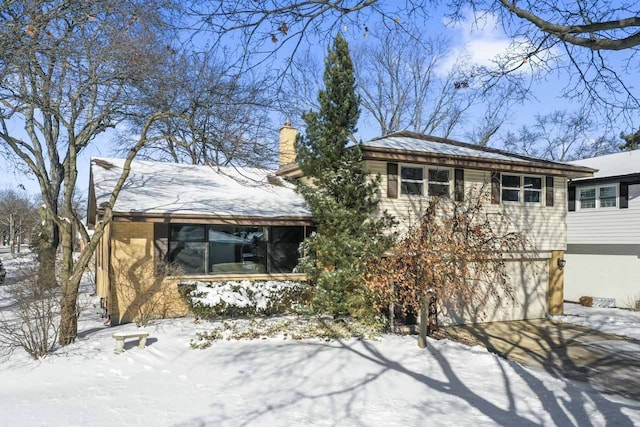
<point x="519" y="189"/>
<point x="425" y="179"/>
<point x="401" y="180"/>
<point x="207" y="269"/>
<point x="615" y="197"/>
<point x="522" y="190"/>
<point x="539" y="191"/>
<point x="439" y="169"/>
<point x="597" y="205"/>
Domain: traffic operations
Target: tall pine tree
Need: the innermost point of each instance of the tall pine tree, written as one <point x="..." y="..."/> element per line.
<point x="341" y="194"/>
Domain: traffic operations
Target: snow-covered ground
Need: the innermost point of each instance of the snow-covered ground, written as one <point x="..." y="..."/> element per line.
<point x="610" y="320"/>
<point x="277" y="381"/>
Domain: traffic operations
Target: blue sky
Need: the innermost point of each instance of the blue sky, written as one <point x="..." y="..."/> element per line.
<point x="479" y="43"/>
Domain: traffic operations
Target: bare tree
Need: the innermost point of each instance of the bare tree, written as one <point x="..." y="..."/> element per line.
<point x="561" y="136"/>
<point x="403" y="87"/>
<point x="18" y="218"/>
<point x="224" y="114"/>
<point x="579" y="40"/>
<point x="593" y="46"/>
<point x="69" y="71"/>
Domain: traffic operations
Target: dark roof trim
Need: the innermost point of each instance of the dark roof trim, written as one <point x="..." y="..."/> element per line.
<point x="210" y="219"/>
<point x="632" y="178"/>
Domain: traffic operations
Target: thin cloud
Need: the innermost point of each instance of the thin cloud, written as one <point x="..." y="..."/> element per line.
<point x="479" y="41"/>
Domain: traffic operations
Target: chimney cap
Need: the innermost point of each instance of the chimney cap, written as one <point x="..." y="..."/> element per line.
<point x="287" y="122"/>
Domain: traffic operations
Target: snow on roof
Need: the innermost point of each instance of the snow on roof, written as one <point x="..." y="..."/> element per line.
<point x="428" y="144"/>
<point x="159" y="187"/>
<point x="610" y="165"/>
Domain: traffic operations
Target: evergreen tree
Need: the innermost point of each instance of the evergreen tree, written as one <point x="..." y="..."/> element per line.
<point x="630" y="141"/>
<point x="341" y="194"/>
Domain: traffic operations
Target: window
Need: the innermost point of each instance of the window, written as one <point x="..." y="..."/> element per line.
<point x="532" y="189"/>
<point x="221" y="249"/>
<point x="411" y="181"/>
<point x="605" y="196"/>
<point x="608" y="197"/>
<point x="587" y="198"/>
<point x="439" y="182"/>
<point x="510" y="188"/>
<point x="517" y="189"/>
<point x="188" y="248"/>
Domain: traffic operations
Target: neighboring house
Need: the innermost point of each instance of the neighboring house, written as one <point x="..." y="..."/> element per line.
<point x="221" y="224"/>
<point x="603" y="239"/>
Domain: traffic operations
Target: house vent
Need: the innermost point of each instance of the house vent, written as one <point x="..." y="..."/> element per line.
<point x="604" y="302"/>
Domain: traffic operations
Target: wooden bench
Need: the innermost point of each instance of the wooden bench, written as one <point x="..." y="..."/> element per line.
<point x="121" y="336"/>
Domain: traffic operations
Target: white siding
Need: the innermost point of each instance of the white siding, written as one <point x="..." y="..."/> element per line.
<point x="604" y="276"/>
<point x="544" y="226"/>
<point x="607" y="226"/>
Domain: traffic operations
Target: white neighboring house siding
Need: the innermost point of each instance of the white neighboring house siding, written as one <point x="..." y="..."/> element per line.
<point x="603" y="252"/>
<point x="544" y="226"/>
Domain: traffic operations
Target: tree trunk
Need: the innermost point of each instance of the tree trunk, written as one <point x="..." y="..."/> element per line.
<point x="70" y="285"/>
<point x="46" y="254"/>
<point x="19" y="235"/>
<point x="433" y="314"/>
<point x="424" y="309"/>
<point x="12" y="232"/>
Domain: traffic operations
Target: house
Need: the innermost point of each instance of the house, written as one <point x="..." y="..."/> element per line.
<point x="213" y="223"/>
<point x="603" y="231"/>
<point x="224" y="224"/>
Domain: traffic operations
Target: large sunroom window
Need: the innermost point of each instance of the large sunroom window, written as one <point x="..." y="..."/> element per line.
<point x="233" y="249"/>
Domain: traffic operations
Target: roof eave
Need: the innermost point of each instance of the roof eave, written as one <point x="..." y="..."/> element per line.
<point x="211" y="218"/>
<point x="549" y="168"/>
<point x="292" y="170"/>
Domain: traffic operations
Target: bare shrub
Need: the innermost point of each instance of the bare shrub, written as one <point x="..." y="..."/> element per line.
<point x="586" y="301"/>
<point x="30" y="320"/>
<point x="632" y="302"/>
<point x="456" y="253"/>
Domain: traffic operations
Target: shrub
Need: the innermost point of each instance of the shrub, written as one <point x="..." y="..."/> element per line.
<point x="586" y="301"/>
<point x="633" y="302"/>
<point x="233" y="299"/>
<point x="32" y="322"/>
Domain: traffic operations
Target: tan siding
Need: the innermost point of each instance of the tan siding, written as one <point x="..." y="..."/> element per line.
<point x="544" y="226"/>
<point x="137" y="292"/>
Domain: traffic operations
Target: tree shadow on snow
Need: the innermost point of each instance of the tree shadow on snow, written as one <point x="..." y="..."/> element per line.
<point x="344" y="395"/>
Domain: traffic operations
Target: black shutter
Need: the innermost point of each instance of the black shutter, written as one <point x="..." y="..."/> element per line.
<point x="161" y="242"/>
<point x="549" y="190"/>
<point x="459" y="185"/>
<point x="392" y="180"/>
<point x="495" y="188"/>
<point x="624" y="195"/>
<point x="572" y="198"/>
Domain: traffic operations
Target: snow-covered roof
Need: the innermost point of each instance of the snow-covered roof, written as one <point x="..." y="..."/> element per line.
<point x="435" y="146"/>
<point x="414" y="144"/>
<point x="161" y="188"/>
<point x="611" y="165"/>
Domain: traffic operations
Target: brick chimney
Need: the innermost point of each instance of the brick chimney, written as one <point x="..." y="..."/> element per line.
<point x="287" y="143"/>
